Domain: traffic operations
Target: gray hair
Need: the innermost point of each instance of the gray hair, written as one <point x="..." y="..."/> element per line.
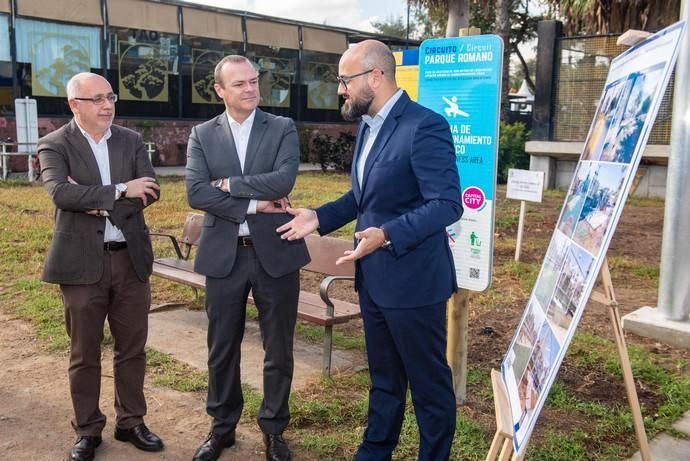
<point x="74" y="84"/>
<point x="231" y="58"/>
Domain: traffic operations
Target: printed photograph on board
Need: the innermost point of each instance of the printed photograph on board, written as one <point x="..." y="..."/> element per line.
<point x="609" y="111"/>
<point x="640" y="87"/>
<point x="606" y="184"/>
<point x="575" y="199"/>
<point x="546" y="282"/>
<point x="569" y="290"/>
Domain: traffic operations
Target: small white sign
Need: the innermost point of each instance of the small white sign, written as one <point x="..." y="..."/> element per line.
<point x="525" y="185"/>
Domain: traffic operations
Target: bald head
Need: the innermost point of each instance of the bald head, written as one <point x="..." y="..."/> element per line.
<point x="372" y="54"/>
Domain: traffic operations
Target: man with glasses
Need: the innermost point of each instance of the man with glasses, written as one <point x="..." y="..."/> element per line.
<point x="405" y="191"/>
<point x="100" y="179"/>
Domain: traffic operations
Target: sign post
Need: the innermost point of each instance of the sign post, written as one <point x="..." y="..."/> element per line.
<point x="460" y="78"/>
<point x="27" y="130"/>
<point x="524" y="185"/>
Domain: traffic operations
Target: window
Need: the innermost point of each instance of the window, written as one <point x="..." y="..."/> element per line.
<point x="48" y="55"/>
<point x="5" y="67"/>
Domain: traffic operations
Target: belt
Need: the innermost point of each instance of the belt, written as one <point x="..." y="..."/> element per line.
<point x="114" y="246"/>
<point x="244" y="241"/>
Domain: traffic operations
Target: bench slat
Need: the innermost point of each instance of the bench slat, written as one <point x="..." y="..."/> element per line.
<point x="179" y="275"/>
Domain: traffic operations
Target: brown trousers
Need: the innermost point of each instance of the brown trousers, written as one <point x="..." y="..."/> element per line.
<point x="125" y="300"/>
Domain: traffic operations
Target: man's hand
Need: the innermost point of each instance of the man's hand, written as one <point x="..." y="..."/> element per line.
<point x="142" y="188"/>
<point x="272" y="206"/>
<point x="370" y="240"/>
<point x="305" y="222"/>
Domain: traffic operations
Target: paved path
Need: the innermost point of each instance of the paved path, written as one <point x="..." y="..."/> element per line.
<point x="182" y="334"/>
<point x="666" y="448"/>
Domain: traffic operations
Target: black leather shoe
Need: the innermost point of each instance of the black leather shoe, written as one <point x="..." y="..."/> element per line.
<point x="84" y="448"/>
<point x="213" y="446"/>
<point x="276" y="448"/>
<point x="141" y="437"/>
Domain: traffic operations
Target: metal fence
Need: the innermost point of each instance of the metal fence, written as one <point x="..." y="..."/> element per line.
<point x="580" y="77"/>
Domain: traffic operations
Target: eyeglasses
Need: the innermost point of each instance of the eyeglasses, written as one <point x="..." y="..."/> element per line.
<point x="345" y="79"/>
<point x="100" y="100"/>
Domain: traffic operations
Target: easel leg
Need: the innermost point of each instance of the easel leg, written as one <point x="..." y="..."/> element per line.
<point x="630" y="384"/>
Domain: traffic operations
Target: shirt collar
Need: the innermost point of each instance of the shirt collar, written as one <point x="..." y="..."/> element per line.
<point x="249" y="121"/>
<point x="380" y="117"/>
<point x="105" y="137"/>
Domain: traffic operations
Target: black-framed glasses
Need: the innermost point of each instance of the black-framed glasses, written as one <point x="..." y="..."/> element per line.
<point x="100" y="100"/>
<point x="345" y="79"/>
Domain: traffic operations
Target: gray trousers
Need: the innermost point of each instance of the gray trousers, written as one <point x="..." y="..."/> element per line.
<point x="276" y="301"/>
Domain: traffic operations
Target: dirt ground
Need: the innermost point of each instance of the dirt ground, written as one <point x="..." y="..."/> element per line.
<point x="34" y="399"/>
<point x="35" y="409"/>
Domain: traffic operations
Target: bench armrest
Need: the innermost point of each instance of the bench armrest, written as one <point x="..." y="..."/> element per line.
<point x="323" y="291"/>
<point x="172" y="239"/>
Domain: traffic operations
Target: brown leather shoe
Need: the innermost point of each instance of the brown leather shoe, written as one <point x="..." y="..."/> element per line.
<point x="141" y="437"/>
<point x="213" y="446"/>
<point x="84" y="448"/>
<point x="276" y="448"/>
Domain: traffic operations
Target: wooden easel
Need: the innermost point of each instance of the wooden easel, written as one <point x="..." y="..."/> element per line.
<point x="502" y="444"/>
<point x="608" y="298"/>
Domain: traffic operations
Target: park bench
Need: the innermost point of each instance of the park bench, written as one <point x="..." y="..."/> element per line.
<point x="318" y="309"/>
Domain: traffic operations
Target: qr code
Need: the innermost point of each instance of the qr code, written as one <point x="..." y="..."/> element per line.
<point x="474" y="273"/>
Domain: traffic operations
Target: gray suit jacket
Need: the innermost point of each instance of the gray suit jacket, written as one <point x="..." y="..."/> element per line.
<point x="76" y="251"/>
<point x="270" y="170"/>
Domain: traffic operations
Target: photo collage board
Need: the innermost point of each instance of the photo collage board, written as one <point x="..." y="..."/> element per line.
<point x="593" y="204"/>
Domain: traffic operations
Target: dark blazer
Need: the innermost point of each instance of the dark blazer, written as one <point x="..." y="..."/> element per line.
<point x="411" y="188"/>
<point x="76" y="252"/>
<point x="270" y="170"/>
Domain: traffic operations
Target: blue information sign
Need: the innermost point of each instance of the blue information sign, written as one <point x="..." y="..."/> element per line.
<point x="460" y="78"/>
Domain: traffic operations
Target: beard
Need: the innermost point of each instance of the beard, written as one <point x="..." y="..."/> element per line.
<point x="355" y="107"/>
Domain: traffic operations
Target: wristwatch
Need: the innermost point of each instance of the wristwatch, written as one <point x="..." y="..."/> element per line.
<point x="386" y="240"/>
<point x="121" y="190"/>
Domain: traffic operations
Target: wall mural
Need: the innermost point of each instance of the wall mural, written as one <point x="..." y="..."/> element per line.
<point x="275" y="76"/>
<point x="55" y="58"/>
<point x="143" y="71"/>
<point x="322" y="87"/>
<point x="203" y="64"/>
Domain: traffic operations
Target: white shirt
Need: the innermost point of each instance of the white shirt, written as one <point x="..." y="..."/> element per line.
<point x="375" y="124"/>
<point x="100" y="151"/>
<point x="240" y="134"/>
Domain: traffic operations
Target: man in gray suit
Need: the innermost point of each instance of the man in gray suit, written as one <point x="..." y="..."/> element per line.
<point x="100" y="179"/>
<point x="241" y="165"/>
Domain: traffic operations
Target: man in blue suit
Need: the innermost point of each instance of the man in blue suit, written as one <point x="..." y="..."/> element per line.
<point x="405" y="191"/>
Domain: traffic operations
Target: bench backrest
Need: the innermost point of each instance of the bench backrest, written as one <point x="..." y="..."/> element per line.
<point x="324" y="251"/>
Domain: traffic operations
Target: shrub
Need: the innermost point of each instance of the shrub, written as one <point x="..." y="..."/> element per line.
<point x="334" y="153"/>
<point x="511" y="149"/>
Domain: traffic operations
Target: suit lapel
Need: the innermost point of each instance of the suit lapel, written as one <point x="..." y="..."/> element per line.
<point x="358" y="151"/>
<point x="255" y="136"/>
<point x="226" y="142"/>
<point x="116" y="157"/>
<point x="82" y="149"/>
<point x="387" y="129"/>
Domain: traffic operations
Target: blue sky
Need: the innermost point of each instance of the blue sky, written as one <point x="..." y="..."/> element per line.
<point x="355" y="14"/>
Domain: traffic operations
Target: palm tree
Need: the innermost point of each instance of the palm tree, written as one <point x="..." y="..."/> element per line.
<point x="614" y="16"/>
<point x="458" y="13"/>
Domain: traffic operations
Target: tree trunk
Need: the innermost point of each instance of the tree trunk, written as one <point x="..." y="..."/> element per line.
<point x="458" y="17"/>
<point x="502" y="28"/>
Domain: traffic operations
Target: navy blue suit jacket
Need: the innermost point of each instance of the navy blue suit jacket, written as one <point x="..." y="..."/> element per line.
<point x="411" y="188"/>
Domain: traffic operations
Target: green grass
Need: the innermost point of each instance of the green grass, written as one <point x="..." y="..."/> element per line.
<point x="329" y="417"/>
